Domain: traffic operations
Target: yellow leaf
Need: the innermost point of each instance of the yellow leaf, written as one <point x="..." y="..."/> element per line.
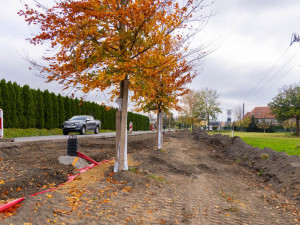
<point x="2" y="182"/>
<point x="49" y="195"/>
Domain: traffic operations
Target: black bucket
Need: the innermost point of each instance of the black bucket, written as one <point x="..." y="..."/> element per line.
<point x="72" y="145"/>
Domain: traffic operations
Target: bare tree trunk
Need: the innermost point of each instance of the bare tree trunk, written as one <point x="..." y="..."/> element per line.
<point x="159" y="130"/>
<point x="121" y="129"/>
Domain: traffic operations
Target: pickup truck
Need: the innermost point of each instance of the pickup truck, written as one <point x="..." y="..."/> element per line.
<point x="81" y="124"/>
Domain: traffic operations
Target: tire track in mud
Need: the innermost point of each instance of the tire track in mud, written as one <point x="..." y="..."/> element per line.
<point x="219" y="192"/>
<point x="185" y="184"/>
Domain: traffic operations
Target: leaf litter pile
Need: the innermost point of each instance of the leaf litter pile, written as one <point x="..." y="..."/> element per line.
<point x="188" y="182"/>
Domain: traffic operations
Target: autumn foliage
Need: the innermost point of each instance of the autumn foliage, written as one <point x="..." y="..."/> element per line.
<point x="95" y="44"/>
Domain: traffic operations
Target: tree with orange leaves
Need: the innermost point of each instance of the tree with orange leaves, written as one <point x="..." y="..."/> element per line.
<point x="169" y="71"/>
<point x="170" y="74"/>
<point x="97" y="44"/>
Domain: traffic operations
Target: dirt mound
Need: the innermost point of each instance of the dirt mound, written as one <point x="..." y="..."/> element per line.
<point x="277" y="169"/>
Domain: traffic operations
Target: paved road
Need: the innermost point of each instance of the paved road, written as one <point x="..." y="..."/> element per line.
<point x="65" y="137"/>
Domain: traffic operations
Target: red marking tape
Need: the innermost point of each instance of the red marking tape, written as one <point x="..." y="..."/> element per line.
<point x="70" y="178"/>
<point x="10" y="204"/>
<point x="87" y="158"/>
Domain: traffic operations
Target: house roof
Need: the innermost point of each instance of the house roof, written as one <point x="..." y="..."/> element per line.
<point x="214" y="123"/>
<point x="261" y="113"/>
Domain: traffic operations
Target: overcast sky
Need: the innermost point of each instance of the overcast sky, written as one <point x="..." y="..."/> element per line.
<point x="252" y="62"/>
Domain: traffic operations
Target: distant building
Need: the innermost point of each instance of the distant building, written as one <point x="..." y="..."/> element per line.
<point x="229" y="111"/>
<point x="262" y="114"/>
<point x="214" y="125"/>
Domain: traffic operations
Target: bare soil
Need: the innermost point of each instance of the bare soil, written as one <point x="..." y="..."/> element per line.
<point x="190" y="181"/>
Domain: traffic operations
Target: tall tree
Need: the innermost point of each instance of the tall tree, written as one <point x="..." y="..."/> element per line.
<point x="48" y="109"/>
<point x="238" y="111"/>
<point x="252" y="126"/>
<point x="286" y="104"/>
<point x="6" y="107"/>
<point x="102" y="43"/>
<point x="190" y="107"/>
<point x="61" y="110"/>
<point x="55" y="111"/>
<point x="170" y="74"/>
<point x="39" y="109"/>
<point x="13" y="105"/>
<point x="67" y="106"/>
<point x="28" y="107"/>
<point x="19" y="104"/>
<point x="34" y="99"/>
<point x="73" y="106"/>
<point x="208" y="105"/>
<point x="77" y="104"/>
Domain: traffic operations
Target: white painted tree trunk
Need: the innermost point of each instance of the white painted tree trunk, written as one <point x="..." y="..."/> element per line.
<point x="121" y="129"/>
<point x="125" y="167"/>
<point x="159" y="130"/>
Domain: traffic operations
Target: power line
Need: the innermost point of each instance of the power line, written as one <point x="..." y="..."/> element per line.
<point x="272" y="85"/>
<point x="272" y="77"/>
<point x="263" y="78"/>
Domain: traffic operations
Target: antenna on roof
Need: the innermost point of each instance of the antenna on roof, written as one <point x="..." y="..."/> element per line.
<point x="295" y="38"/>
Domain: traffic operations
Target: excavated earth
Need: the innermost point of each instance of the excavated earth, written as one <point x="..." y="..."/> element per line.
<point x="196" y="179"/>
<point x="30" y="167"/>
<point x="276" y="169"/>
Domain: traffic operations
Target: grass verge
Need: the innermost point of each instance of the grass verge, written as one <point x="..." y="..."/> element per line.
<point x="16" y="132"/>
<point x="281" y="142"/>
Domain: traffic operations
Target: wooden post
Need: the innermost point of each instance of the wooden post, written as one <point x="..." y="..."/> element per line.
<point x="123" y="133"/>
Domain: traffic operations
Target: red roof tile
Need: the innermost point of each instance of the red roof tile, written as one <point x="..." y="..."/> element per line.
<point x="262" y="113"/>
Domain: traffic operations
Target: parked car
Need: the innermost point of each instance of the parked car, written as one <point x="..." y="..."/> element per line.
<point x="81" y="124"/>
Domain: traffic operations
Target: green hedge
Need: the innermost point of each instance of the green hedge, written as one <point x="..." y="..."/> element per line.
<point x="24" y="107"/>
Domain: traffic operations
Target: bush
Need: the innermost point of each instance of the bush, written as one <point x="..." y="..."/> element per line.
<point x="28" y="108"/>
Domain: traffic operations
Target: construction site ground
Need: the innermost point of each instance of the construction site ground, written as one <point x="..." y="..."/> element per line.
<point x="189" y="181"/>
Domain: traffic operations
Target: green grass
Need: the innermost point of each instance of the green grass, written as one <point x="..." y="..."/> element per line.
<point x="281" y="142"/>
<point x="155" y="177"/>
<point x="15" y="132"/>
